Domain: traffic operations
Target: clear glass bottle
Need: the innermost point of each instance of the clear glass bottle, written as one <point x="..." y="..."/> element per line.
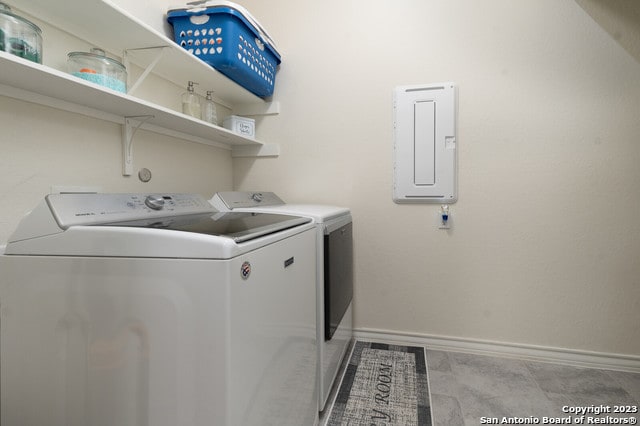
<point x="190" y="102"/>
<point x="209" y="113"/>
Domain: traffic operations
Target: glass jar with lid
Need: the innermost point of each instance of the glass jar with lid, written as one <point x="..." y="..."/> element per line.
<point x="96" y="67"/>
<point x="19" y="36"/>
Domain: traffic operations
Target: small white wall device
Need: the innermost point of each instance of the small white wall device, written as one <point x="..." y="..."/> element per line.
<point x="425" y="144"/>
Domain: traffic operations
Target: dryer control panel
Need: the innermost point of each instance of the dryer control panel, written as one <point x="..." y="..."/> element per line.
<point x="227" y="201"/>
<point x="93" y="209"/>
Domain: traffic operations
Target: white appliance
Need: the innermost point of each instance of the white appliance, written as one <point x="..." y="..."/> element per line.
<point x="334" y="273"/>
<point x="126" y="309"/>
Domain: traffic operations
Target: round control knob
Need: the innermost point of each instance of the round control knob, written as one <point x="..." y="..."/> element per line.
<point x="257" y="197"/>
<point x="154" y="202"/>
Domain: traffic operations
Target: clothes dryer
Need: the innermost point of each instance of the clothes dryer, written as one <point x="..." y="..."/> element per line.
<point x="127" y="309"/>
<point x="334" y="276"/>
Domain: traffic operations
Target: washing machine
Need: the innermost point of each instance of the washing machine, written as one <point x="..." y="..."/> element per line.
<point x="334" y="278"/>
<point x="134" y="309"/>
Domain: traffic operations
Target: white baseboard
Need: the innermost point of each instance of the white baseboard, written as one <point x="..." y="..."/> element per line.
<point x="577" y="358"/>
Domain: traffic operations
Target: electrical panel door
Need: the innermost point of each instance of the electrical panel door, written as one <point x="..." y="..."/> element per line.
<point x="425" y="144"/>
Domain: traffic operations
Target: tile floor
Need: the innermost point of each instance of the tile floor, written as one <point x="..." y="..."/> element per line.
<point x="470" y="390"/>
<point x="467" y="388"/>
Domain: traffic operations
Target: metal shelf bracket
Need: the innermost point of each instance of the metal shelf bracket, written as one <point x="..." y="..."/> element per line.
<point x="159" y="50"/>
<point x="129" y="128"/>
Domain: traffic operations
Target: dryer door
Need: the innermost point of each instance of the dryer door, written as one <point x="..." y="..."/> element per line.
<point x="338" y="276"/>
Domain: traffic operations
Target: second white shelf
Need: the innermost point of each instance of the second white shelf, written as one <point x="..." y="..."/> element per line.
<point x="36" y="83"/>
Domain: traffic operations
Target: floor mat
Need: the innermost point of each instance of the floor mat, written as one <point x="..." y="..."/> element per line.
<point x="383" y="385"/>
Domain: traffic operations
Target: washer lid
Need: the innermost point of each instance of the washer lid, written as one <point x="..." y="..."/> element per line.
<point x="240" y="227"/>
<point x="140" y="225"/>
<point x="173" y="212"/>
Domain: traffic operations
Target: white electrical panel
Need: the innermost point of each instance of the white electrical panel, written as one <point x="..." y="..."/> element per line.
<point x="425" y="144"/>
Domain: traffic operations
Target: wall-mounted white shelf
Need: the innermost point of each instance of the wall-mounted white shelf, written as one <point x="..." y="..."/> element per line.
<point x="104" y="24"/>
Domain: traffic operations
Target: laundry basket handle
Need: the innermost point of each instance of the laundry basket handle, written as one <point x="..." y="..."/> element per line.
<point x="210" y="3"/>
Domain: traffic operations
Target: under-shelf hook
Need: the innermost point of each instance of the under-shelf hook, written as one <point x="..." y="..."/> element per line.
<point x="129" y="129"/>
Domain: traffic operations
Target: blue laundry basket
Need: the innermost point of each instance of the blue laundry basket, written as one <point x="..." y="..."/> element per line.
<point x="226" y="39"/>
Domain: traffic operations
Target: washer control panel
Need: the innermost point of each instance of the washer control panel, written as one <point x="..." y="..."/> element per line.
<point x="95" y="209"/>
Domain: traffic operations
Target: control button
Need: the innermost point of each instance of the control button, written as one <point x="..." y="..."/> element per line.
<point x="257" y="197"/>
<point x="154" y="202"/>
